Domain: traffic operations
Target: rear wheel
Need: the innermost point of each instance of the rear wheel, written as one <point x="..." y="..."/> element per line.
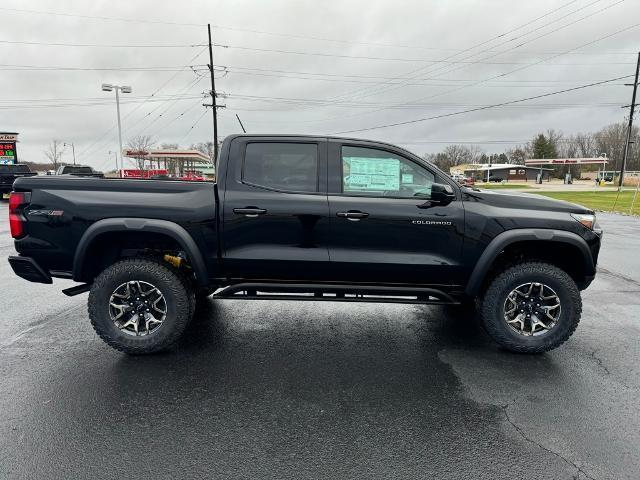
<point x="140" y="306"/>
<point x="531" y="308"/>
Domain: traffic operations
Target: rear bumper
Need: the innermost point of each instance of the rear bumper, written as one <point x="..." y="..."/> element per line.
<point x="28" y="268"/>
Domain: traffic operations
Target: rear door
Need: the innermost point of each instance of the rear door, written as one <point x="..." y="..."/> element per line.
<point x="385" y="229"/>
<point x="275" y="209"/>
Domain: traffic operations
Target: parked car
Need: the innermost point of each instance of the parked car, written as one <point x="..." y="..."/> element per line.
<point x="8" y="173"/>
<point x="79" y="171"/>
<point x="306" y="218"/>
<point x="468" y="181"/>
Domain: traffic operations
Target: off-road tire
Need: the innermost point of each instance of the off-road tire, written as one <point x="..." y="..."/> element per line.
<point x="175" y="287"/>
<point x="492" y="307"/>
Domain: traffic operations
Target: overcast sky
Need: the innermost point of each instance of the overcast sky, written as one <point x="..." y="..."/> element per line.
<point x="303" y="66"/>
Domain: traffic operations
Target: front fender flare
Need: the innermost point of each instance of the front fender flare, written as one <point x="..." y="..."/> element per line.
<point x="171" y="229"/>
<point x="502" y="240"/>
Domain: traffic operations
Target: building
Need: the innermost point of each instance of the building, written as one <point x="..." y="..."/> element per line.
<point x="176" y="162"/>
<point x="506" y="172"/>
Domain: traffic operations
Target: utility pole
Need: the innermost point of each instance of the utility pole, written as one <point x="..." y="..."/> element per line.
<point x="630" y="129"/>
<point x="73" y="149"/>
<point x="241" y="125"/>
<point x="214" y="107"/>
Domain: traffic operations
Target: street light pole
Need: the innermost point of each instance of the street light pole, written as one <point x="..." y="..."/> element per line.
<point x="107" y="87"/>
<point x="73" y="149"/>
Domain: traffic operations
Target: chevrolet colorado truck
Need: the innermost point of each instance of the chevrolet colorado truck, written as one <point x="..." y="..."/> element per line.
<point x="305" y="218"/>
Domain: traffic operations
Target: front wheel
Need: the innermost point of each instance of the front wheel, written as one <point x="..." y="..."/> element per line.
<point x="531" y="307"/>
<point x="140" y="306"/>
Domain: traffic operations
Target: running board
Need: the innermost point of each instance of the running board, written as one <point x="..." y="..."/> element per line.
<point x="335" y="293"/>
<point x="77" y="290"/>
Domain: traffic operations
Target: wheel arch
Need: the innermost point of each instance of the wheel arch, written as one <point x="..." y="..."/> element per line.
<point x="152" y="226"/>
<point x="570" y="243"/>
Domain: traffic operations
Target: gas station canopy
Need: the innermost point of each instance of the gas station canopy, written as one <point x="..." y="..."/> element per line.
<point x="567" y="161"/>
<point x="191" y="156"/>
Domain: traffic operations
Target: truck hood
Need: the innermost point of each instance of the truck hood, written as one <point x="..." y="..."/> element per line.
<point x="525" y="201"/>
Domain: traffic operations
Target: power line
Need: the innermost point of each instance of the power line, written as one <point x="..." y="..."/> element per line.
<point x="476" y="46"/>
<point x="164" y="84"/>
<point x="395" y="59"/>
<point x="99" y="45"/>
<point x="418" y="82"/>
<point x="502" y="74"/>
<point x="99" y="69"/>
<point x="257" y="31"/>
<point x="98" y="17"/>
<point x="193" y="126"/>
<point x="194" y="45"/>
<point x="89" y="104"/>
<point x="523" y="42"/>
<point x="352" y="104"/>
<point x="407" y="122"/>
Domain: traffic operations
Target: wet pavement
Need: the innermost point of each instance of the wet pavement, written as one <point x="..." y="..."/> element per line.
<point x="311" y="390"/>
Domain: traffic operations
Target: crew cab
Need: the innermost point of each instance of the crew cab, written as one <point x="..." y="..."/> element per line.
<point x="305" y="218"/>
<point x="78" y="170"/>
<point x="8" y="174"/>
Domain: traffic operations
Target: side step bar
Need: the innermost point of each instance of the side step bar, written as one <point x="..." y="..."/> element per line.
<point x="335" y="293"/>
<point x="77" y="290"/>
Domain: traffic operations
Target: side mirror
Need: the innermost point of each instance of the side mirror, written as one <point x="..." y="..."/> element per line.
<point x="442" y="194"/>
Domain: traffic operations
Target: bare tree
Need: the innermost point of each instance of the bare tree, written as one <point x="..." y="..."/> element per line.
<point x="54" y="152"/>
<point x="206" y="148"/>
<point x="517" y="155"/>
<point x="611" y="140"/>
<point x="140" y="144"/>
<point x="586" y="144"/>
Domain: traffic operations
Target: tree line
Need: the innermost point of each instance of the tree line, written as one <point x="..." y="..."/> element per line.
<point x="609" y="140"/>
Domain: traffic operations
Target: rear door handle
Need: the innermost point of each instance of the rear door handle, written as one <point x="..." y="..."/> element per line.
<point x="250" y="212"/>
<point x="353" y="215"/>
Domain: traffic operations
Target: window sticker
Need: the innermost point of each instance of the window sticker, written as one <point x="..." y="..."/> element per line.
<point x="407" y="178"/>
<point x="371" y="174"/>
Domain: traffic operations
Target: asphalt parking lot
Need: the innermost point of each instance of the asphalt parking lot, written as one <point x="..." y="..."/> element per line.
<point x="320" y="390"/>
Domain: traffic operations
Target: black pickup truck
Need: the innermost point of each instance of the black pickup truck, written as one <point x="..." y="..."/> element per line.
<point x="306" y="218"/>
<point x="79" y="170"/>
<point x="8" y="174"/>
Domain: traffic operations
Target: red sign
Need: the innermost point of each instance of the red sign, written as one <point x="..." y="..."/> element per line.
<point x="131" y="173"/>
<point x="135" y="153"/>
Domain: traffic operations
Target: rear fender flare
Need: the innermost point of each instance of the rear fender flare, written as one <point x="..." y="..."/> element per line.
<point x="504" y="239"/>
<point x="171" y="229"/>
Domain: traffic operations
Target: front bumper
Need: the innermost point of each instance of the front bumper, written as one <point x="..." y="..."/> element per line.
<point x="28" y="268"/>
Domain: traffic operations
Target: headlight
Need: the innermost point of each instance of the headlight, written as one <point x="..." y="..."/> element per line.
<point x="587" y="220"/>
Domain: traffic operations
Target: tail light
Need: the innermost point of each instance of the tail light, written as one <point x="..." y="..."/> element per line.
<point x="16" y="219"/>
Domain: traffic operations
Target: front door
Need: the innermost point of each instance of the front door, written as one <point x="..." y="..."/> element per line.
<point x="276" y="215"/>
<point x="385" y="229"/>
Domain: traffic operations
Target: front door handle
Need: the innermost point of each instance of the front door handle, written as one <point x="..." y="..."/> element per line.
<point x="353" y="215"/>
<point x="250" y="212"/>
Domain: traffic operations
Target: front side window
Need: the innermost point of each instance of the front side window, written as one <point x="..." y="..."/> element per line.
<point x="375" y="173"/>
<point x="282" y="166"/>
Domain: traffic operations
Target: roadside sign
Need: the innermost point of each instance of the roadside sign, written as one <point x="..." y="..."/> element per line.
<point x="8" y="142"/>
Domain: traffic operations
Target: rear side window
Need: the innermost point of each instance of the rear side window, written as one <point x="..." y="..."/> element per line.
<point x="282" y="166"/>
